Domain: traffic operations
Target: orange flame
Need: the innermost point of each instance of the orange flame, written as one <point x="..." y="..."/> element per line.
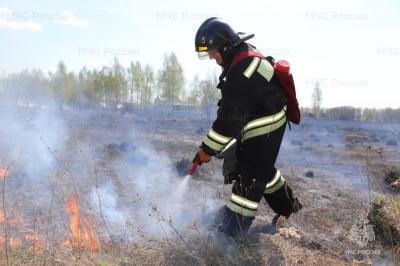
<point x="3" y="172"/>
<point x="81" y="235"/>
<point x="15" y="223"/>
<point x="15" y="242"/>
<point x="37" y="244"/>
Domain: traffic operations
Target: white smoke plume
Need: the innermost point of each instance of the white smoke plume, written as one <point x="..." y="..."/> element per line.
<point x="104" y="198"/>
<point x="154" y="198"/>
<point x="32" y="138"/>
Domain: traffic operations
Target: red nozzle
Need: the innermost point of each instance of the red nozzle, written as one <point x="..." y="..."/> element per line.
<point x="193" y="167"/>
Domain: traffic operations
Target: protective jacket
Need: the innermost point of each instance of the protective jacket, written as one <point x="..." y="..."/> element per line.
<point x="252" y="105"/>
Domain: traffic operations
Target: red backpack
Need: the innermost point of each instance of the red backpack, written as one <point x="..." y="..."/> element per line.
<point x="282" y="72"/>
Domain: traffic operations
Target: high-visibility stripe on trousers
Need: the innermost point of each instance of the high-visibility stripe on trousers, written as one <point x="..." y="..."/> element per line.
<point x="242" y="205"/>
<point x="249" y="208"/>
<point x="276" y="183"/>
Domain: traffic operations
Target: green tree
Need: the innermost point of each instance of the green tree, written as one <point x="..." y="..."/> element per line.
<point x="136" y="81"/>
<point x="83" y="83"/>
<point x="148" y="85"/>
<point x="62" y="83"/>
<point x="171" y="79"/>
<point x="194" y="94"/>
<point x="117" y="83"/>
<point x="206" y="93"/>
<point x="97" y="87"/>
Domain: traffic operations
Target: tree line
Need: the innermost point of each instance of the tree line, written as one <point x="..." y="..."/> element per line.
<point x="113" y="85"/>
<point x="140" y="85"/>
<point x="349" y="113"/>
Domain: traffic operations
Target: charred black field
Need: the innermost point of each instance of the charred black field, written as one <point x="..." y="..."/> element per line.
<point x="108" y="187"/>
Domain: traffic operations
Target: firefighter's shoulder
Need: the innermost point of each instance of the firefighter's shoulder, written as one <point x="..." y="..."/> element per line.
<point x="241" y="66"/>
<point x="249" y="66"/>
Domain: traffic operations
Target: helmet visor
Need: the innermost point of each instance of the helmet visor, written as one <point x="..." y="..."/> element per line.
<point x="203" y="55"/>
<point x="206" y="54"/>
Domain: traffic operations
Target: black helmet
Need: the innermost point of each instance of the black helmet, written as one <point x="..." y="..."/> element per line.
<point x="216" y="35"/>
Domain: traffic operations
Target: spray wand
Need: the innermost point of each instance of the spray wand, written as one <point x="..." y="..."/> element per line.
<point x="193" y="167"/>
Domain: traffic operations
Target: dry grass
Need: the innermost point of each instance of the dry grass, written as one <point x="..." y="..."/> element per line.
<point x="392" y="177"/>
<point x="385" y="216"/>
<point x="196" y="250"/>
<point x="295" y="255"/>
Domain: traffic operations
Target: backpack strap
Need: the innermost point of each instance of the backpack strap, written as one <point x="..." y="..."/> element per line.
<point x="242" y="55"/>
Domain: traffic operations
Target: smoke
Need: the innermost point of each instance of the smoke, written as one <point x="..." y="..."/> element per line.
<point x="155" y="199"/>
<point x="32" y="143"/>
<point x="31" y="138"/>
<point x="106" y="197"/>
<point x="108" y="201"/>
<point x="140" y="190"/>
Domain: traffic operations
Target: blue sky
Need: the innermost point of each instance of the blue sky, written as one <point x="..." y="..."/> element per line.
<point x="351" y="47"/>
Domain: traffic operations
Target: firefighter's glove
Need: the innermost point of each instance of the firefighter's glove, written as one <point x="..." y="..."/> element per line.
<point x="201" y="157"/>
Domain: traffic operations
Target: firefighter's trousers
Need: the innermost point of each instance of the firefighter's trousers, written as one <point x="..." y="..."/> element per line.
<point x="251" y="167"/>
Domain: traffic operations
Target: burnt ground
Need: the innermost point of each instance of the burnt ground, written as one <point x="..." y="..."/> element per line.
<point x="336" y="168"/>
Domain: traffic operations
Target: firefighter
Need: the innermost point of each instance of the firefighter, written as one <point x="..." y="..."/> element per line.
<point x="252" y="115"/>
